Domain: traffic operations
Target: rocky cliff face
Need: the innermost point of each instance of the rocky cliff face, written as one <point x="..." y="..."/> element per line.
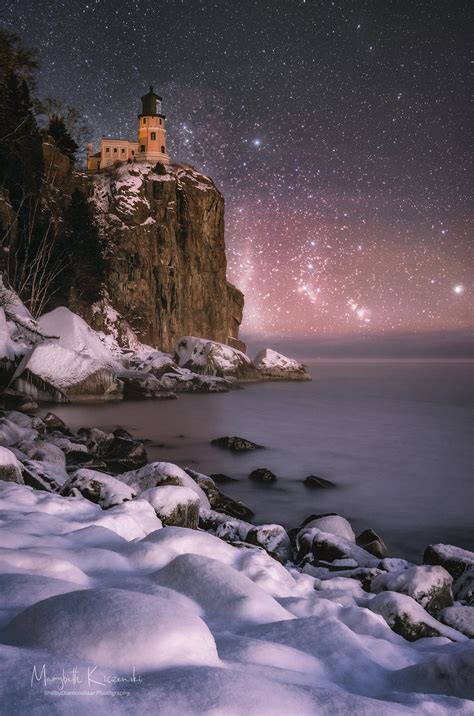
<point x="165" y="251"/>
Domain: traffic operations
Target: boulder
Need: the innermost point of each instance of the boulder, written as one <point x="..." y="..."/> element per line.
<point x="373" y="543"/>
<point x="335" y="524"/>
<point x="210" y="358"/>
<point x="463" y="588"/>
<point x="408" y="618"/>
<point x="15" y="400"/>
<point x="156" y="474"/>
<point x="430" y="586"/>
<point x="218" y="501"/>
<point x="322" y="547"/>
<point x="275" y="366"/>
<point x="274" y="540"/>
<point x="175" y="505"/>
<point x="263" y="475"/>
<point x="52" y="422"/>
<point x="182" y="380"/>
<point x="97" y="487"/>
<point x="314" y="481"/>
<point x="138" y="385"/>
<point x="123" y="454"/>
<point x="460" y="618"/>
<point x="230" y="530"/>
<point x="235" y="444"/>
<point x="10" y="467"/>
<point x="454" y="559"/>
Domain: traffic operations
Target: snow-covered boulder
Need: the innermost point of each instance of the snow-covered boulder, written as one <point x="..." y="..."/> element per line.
<point x="430" y="586"/>
<point x="334" y="524"/>
<point x="274" y="540"/>
<point x="97" y="487"/>
<point x="50" y="372"/>
<point x="115" y="628"/>
<point x="463" y="588"/>
<point x="217" y="500"/>
<point x="460" y="618"/>
<point x="74" y="334"/>
<point x="321" y="547"/>
<point x="210" y="358"/>
<point x="373" y="543"/>
<point x="156" y="474"/>
<point x="174" y="505"/>
<point x="275" y="366"/>
<point x="454" y="559"/>
<point x="408" y="618"/>
<point x="10" y="467"/>
<point x="139" y="385"/>
<point x="182" y="380"/>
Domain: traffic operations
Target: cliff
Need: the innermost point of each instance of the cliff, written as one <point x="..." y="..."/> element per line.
<point x="163" y="235"/>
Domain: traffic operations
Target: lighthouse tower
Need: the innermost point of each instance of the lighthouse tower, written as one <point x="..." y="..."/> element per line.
<point x="151" y="130"/>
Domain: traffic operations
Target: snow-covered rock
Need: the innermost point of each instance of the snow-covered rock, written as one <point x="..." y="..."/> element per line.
<point x="323" y="547"/>
<point x="460" y="618"/>
<point x="162" y="473"/>
<point x="274" y="540"/>
<point x="454" y="559"/>
<point x="174" y="505"/>
<point x="408" y="618"/>
<point x="276" y="366"/>
<point x="334" y="524"/>
<point x="210" y="358"/>
<point x="97" y="487"/>
<point x="463" y="588"/>
<point x="10" y="467"/>
<point x="430" y="586"/>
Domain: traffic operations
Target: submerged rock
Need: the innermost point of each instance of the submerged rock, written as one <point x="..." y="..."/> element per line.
<point x="235" y="444"/>
<point x="315" y="482"/>
<point x="274" y="366"/>
<point x="263" y="475"/>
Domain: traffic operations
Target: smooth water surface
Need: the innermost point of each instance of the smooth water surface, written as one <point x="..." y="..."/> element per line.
<point x="395" y="437"/>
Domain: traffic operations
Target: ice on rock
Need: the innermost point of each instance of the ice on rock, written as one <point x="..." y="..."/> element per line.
<point x="221" y="591"/>
<point x="115" y="628"/>
<point x="429" y="586"/>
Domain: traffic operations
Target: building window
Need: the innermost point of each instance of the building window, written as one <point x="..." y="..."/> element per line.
<point x="107" y="149"/>
<point x="133" y="152"/>
<point x="162" y="149"/>
<point x="153" y="135"/>
<point x="142" y="148"/>
<point x="144" y="120"/>
<point x="115" y="150"/>
<point x="123" y="150"/>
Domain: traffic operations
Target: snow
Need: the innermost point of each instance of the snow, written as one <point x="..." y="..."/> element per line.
<point x="460" y="618"/>
<point x="334" y="524"/>
<point x="74" y="334"/>
<point x="167" y="498"/>
<point x="421" y="583"/>
<point x="210" y="357"/>
<point x="207" y="627"/>
<point x="157" y="473"/>
<point x="10" y="466"/>
<point x="275" y="365"/>
<point x="108" y="490"/>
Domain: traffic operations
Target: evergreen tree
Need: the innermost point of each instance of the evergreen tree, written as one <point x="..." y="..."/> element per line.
<point x="64" y="142"/>
<point x="83" y="245"/>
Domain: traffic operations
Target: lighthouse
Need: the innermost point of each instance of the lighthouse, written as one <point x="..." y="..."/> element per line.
<point x="152" y="130"/>
<point x="151" y="136"/>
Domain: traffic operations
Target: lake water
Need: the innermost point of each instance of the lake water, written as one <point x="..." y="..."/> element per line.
<point x="394" y="436"/>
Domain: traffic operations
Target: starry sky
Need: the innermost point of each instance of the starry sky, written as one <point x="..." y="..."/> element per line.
<point x="337" y="131"/>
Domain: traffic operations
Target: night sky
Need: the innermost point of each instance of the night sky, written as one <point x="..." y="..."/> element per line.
<point x="337" y="131"/>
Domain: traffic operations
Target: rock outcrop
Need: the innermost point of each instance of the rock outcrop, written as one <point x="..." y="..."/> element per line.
<point x="165" y="255"/>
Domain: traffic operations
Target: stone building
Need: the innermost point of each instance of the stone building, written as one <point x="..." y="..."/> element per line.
<point x="149" y="147"/>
